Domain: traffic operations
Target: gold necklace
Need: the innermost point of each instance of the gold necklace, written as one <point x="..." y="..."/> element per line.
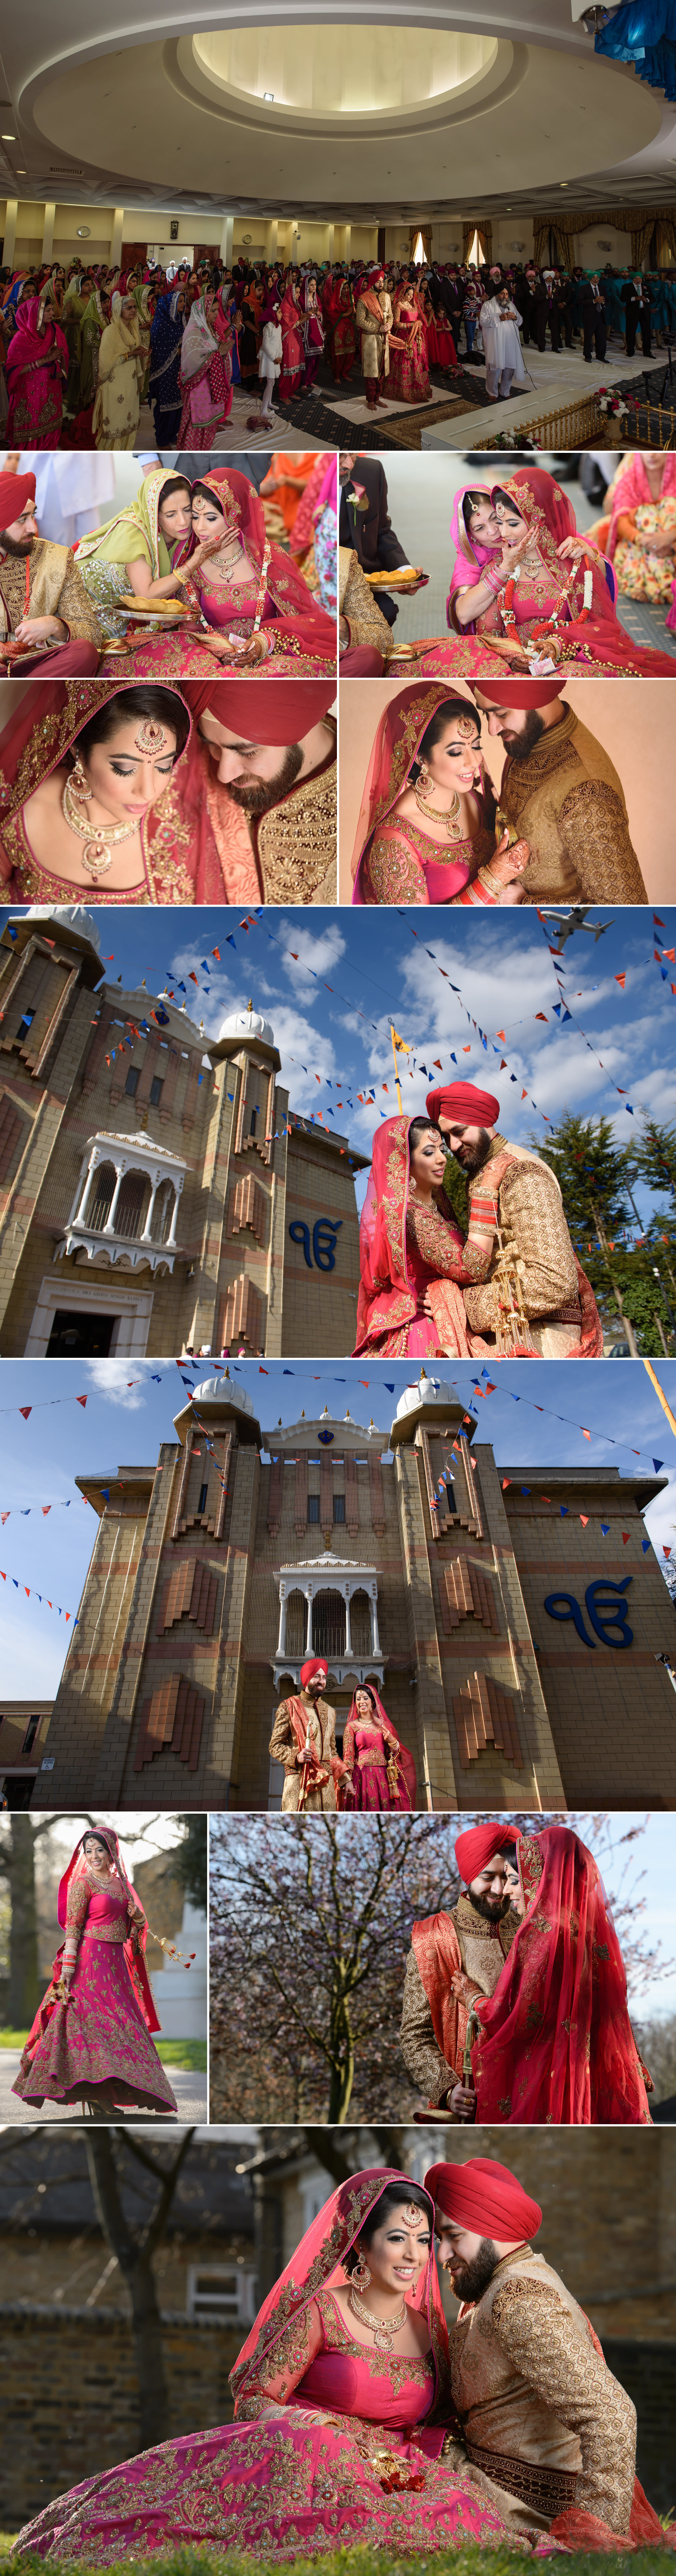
<point x="449" y="821"/>
<point x="383" y="2334"/>
<point x="97" y="855"/>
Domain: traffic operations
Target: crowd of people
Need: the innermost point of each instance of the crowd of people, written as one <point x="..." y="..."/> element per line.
<point x="82" y="349"/>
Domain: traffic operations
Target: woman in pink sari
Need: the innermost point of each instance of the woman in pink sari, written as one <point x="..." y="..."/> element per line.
<point x="378" y="1771"/>
<point x="412" y="1258"/>
<point x="36" y="368"/>
<point x="90" y="2040"/>
<point x="341" y="2406"/>
<point x="427" y="825"/>
<point x="541" y="589"/>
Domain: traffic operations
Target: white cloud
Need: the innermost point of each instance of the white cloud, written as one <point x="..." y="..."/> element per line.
<point x="111" y="1379"/>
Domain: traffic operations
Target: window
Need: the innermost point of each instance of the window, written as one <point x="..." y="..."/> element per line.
<point x="202" y="1504"/>
<point x="419" y="252"/>
<point x="220" y="2294"/>
<point x="313" y="1507"/>
<point x="156" y="1089"/>
<point x="24" y="1026"/>
<point x="475" y="254"/>
<point x="339" y="1507"/>
<point x="253" y="1122"/>
<point x="132" y="1081"/>
<point x="30" y="1735"/>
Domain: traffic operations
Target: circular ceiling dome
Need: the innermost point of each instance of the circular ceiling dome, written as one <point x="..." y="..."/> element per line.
<point x="246" y="1024"/>
<point x="308" y="68"/>
<point x="426" y="1392"/>
<point x="219" y="1390"/>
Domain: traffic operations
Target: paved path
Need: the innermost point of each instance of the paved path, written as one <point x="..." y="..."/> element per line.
<point x="190" y="2090"/>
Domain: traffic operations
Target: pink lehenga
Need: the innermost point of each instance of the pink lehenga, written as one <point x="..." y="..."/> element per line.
<point x="412" y="1255"/>
<point x="330" y="2440"/>
<point x="409" y="364"/>
<point x="97" y="2038"/>
<point x="378" y="1771"/>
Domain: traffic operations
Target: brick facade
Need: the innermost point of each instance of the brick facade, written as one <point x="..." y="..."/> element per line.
<point x="173" y="1674"/>
<point x="81" y="1060"/>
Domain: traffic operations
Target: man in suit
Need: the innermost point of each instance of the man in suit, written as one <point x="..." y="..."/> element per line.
<point x="367" y="529"/>
<point x="563" y="297"/>
<point x="635" y="297"/>
<point x="593" y="318"/>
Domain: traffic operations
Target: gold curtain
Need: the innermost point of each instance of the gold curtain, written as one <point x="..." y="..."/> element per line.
<point x="540" y="239"/>
<point x="565" y="243"/>
<point x="468" y="232"/>
<point x="426" y="231"/>
<point x="666" y="239"/>
<point x="641" y="237"/>
<point x="485" y="239"/>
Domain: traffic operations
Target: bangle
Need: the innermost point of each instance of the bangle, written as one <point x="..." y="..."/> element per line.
<point x="494" y="577"/>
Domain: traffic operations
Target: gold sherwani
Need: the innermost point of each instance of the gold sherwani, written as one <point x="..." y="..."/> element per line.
<point x="55" y="589"/>
<point x="296" y="842"/>
<point x="541" y="2416"/>
<point x="283" y="1748"/>
<point x="375" y="354"/>
<point x="359" y="607"/>
<point x="567" y="801"/>
<point x="533" y="1228"/>
<point x="482" y="1949"/>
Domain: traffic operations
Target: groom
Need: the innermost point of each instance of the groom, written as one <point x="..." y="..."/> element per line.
<point x="531" y="1302"/>
<point x="561" y="793"/>
<point x="303" y="1739"/>
<point x="541" y="2416"/>
<point x="455" y="1957"/>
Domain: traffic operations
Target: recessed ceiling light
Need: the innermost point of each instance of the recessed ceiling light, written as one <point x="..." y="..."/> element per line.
<point x="268" y="95"/>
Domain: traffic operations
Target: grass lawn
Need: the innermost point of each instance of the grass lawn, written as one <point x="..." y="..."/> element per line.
<point x="355" y="2562"/>
<point x="173" y="2052"/>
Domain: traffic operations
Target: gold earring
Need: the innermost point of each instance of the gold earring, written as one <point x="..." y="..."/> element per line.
<point x="79" y="781"/>
<point x="361" y="2276"/>
<point x="422" y="785"/>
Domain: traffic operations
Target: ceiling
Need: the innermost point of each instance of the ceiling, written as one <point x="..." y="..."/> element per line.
<point x="427" y="110"/>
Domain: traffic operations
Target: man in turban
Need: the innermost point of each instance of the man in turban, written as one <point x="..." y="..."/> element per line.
<point x="543" y="2420"/>
<point x="536" y="1300"/>
<point x="303" y="1739"/>
<point x="43" y="601"/>
<point x="374" y="321"/>
<point x="268" y="751"/>
<point x="453" y="1959"/>
<point x="560" y="792"/>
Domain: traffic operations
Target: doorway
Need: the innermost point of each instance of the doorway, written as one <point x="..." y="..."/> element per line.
<point x="80" y="1336"/>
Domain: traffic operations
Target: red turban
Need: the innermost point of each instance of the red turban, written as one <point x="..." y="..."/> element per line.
<point x="485" y="2198"/>
<point x="520" y="693"/>
<point x="463" y="1104"/>
<point x="474" y="1849"/>
<point x="15" y="491"/>
<point x="317" y="1664"/>
<point x="263" y="711"/>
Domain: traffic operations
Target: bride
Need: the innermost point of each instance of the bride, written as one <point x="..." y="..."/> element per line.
<point x="336" y="2391"/>
<point x="426" y="830"/>
<point x="412" y="1257"/>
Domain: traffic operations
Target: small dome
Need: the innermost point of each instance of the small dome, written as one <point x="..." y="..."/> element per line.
<point x="247" y="1024"/>
<point x="426" y="1392"/>
<point x="223" y="1390"/>
<point x="73" y="917"/>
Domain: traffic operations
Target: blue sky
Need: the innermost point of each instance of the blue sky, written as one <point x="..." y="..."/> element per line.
<point x="330" y="1005"/>
<point x="124" y="1423"/>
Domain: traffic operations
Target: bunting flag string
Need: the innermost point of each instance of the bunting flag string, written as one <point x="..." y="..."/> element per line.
<point x="32" y="1595"/>
<point x="568" y="1419"/>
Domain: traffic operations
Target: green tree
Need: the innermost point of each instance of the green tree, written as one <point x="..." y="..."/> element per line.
<point x="654" y="1160"/>
<point x="191" y="1861"/>
<point x="595" y="1176"/>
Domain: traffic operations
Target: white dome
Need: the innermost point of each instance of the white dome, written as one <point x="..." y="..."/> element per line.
<point x="223" y="1390"/>
<point x="247" y="1024"/>
<point x="426" y="1392"/>
<point x="74" y="917"/>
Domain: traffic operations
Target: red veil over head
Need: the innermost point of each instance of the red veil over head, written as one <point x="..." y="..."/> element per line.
<point x="404" y="1758"/>
<point x="134" y="1948"/>
<point x="392" y="1275"/>
<point x="470" y="557"/>
<point x="556" y="2037"/>
<point x="396" y="746"/>
<point x="548" y="511"/>
<point x="285" y="585"/>
<point x="46" y="725"/>
<point x="317" y="2264"/>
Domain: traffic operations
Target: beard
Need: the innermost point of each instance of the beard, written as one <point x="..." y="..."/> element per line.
<point x="469" y="2280"/>
<point x="255" y="795"/>
<point x="16" y="545"/>
<point x="520" y="745"/>
<point x="472" y="1157"/>
<point x="493" y="1908"/>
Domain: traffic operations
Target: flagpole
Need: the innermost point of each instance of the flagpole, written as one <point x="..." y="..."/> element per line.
<point x="671" y="1418"/>
<point x="396" y="1075"/>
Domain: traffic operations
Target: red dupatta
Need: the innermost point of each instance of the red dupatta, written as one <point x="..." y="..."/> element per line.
<point x="405" y="1762"/>
<point x="46" y="725"/>
<point x="134" y="1946"/>
<point x="393" y="1277"/>
<point x="547" y="510"/>
<point x="318" y="2264"/>
<point x="300" y="624"/>
<point x="396" y="747"/>
<point x="556" y="2040"/>
<point x="37" y="341"/>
